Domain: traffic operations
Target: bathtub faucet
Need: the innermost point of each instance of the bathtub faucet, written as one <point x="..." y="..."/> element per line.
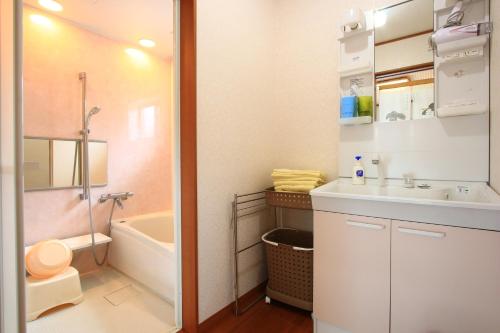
<point x="117" y="197"/>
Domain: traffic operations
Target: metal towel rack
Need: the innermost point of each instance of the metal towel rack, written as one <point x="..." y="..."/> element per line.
<point x="245" y="205"/>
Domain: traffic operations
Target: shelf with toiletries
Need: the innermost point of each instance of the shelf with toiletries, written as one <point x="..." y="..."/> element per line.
<point x="356" y="54"/>
<point x="363" y="120"/>
<point x="354" y="34"/>
<point x="461" y="50"/>
<point x="468" y="49"/>
<point x="356" y="110"/>
<point x="356" y="40"/>
<point x="356" y="100"/>
<point x="356" y="67"/>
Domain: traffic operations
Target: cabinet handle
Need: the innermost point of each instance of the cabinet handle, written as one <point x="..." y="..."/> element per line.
<point x="365" y="225"/>
<point x="423" y="233"/>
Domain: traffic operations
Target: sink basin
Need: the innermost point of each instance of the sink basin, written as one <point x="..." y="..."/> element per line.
<point x="464" y="204"/>
<point x="344" y="188"/>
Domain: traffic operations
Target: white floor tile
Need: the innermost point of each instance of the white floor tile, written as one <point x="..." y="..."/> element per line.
<point x="140" y="311"/>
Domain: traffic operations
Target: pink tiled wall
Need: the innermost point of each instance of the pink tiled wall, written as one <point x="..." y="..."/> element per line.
<point x="135" y="97"/>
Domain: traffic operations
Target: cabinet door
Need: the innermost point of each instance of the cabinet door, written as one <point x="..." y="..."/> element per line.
<point x="444" y="279"/>
<point x="352" y="272"/>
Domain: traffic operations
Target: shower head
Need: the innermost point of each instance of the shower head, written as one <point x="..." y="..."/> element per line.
<point x="95" y="110"/>
<point x="92" y="112"/>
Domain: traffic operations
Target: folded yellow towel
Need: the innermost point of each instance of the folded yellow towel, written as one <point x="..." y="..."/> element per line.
<point x="288" y="180"/>
<point x="297" y="173"/>
<point x="295" y="178"/>
<point x="294" y="188"/>
<point x="316" y="182"/>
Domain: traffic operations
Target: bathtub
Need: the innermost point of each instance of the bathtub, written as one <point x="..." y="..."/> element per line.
<point x="143" y="248"/>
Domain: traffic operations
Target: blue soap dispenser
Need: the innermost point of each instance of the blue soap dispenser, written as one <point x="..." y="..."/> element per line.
<point x="358" y="172"/>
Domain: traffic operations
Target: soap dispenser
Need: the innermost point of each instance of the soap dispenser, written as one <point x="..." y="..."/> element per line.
<point x="358" y="172"/>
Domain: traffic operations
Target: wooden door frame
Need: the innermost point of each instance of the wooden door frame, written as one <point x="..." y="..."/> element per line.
<point x="189" y="211"/>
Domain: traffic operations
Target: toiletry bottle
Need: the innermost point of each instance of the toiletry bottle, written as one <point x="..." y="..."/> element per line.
<point x="358" y="173"/>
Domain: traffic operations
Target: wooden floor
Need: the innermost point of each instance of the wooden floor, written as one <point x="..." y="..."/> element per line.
<point x="261" y="318"/>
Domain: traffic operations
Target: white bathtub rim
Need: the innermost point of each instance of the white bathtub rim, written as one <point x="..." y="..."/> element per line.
<point x="167" y="213"/>
<point x="143" y="238"/>
<point x="123" y="225"/>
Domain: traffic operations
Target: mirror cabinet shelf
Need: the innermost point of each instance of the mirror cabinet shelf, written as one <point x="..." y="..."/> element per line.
<point x="405" y="67"/>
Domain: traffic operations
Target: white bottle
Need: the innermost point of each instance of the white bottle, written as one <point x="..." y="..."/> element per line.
<point x="358" y="173"/>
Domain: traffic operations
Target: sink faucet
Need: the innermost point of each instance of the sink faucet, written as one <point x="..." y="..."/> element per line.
<point x="377" y="162"/>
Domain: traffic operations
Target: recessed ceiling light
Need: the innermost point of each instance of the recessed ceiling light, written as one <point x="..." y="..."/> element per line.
<point x="41" y="20"/>
<point x="147" y="42"/>
<point x="135" y="53"/>
<point x="51" y="5"/>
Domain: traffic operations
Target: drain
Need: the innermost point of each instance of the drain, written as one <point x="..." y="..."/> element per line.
<point x="121" y="295"/>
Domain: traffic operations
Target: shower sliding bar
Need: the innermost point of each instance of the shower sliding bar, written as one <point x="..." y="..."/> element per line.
<point x="83" y="78"/>
<point x="85" y="137"/>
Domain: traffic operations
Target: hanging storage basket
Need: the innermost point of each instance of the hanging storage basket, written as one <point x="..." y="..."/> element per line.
<point x="296" y="200"/>
<point x="290" y="267"/>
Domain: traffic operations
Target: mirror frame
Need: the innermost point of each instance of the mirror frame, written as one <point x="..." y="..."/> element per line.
<point x="79" y="140"/>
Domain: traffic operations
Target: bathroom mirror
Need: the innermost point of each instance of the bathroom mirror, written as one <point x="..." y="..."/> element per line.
<point x="56" y="163"/>
<point x="404" y="61"/>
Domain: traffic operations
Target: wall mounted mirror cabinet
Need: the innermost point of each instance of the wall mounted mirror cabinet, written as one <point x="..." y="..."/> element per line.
<point x="404" y="61"/>
<point x="56" y="163"/>
<point x="415" y="60"/>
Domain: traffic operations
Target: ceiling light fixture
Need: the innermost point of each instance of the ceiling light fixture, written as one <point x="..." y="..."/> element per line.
<point x="135" y="53"/>
<point x="51" y="5"/>
<point x="41" y="20"/>
<point x="147" y="43"/>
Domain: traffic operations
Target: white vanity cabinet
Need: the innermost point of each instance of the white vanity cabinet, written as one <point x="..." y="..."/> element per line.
<point x="352" y="272"/>
<point x="374" y="275"/>
<point x="444" y="279"/>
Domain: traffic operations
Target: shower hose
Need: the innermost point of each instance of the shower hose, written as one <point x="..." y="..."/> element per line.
<point x="89" y="199"/>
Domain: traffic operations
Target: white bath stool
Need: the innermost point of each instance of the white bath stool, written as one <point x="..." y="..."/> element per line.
<point x="43" y="295"/>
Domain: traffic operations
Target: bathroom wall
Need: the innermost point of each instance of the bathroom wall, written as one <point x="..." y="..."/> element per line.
<point x="305" y="88"/>
<point x="454" y="148"/>
<point x="267" y="98"/>
<point x="236" y="121"/>
<point x="135" y="120"/>
<point x="495" y="97"/>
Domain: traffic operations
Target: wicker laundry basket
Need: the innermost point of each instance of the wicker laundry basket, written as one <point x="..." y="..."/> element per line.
<point x="290" y="267"/>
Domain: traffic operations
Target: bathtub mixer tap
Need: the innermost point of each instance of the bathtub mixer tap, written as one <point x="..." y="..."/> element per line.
<point x="116" y="197"/>
<point x="113" y="196"/>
